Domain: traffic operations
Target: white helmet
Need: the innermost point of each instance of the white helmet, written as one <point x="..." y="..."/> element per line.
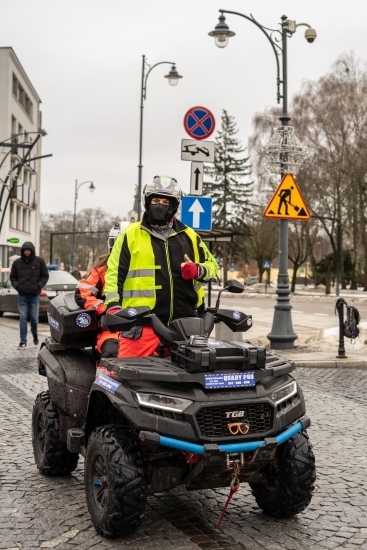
<point x="163" y="186"/>
<point x="118" y="228"/>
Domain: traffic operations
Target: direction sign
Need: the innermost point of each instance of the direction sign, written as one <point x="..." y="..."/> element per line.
<point x="287" y="202"/>
<point x="196" y="212"/>
<point x="196" y="180"/>
<point x="199" y="122"/>
<point x="200" y="151"/>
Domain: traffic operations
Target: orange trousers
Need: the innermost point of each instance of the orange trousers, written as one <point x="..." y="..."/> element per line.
<point x="144" y="346"/>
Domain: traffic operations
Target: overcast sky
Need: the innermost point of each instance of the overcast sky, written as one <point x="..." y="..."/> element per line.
<point x="84" y="59"/>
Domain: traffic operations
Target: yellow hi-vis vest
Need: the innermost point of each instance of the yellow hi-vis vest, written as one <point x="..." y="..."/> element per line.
<point x="139" y="288"/>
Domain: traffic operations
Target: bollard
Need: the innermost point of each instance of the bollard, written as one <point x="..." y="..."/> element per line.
<point x="339" y="307"/>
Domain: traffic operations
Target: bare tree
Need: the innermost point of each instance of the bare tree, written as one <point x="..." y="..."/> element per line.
<point x="92" y="227"/>
<point x="330" y="116"/>
<point x="227" y="182"/>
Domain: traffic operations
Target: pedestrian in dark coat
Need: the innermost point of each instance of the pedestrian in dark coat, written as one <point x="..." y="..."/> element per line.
<point x="28" y="276"/>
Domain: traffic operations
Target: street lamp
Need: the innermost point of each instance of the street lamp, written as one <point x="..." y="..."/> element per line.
<point x="173" y="78"/>
<point x="77" y="187"/>
<point x="282" y="335"/>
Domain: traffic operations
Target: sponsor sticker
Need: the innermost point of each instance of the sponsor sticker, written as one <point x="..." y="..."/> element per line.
<point x="132" y="311"/>
<point x="215" y="343"/>
<point x="53" y="323"/>
<point x="230" y="380"/>
<point x="83" y="320"/>
<point x="236" y="315"/>
<point x="107" y="383"/>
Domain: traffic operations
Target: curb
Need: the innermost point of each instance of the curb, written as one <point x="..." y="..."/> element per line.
<point x="337" y="364"/>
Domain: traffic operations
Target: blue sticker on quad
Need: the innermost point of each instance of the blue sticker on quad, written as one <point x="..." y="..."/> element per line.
<point x="83" y="320"/>
<point x="107" y="383"/>
<point x="236" y="315"/>
<point x="132" y="311"/>
<point x="52" y="322"/>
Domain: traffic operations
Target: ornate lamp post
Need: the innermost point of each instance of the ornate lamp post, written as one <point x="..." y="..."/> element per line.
<point x="77" y="187"/>
<point x="285" y="154"/>
<point x="173" y="78"/>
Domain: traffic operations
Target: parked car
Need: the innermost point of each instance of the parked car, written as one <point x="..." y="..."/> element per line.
<point x="58" y="282"/>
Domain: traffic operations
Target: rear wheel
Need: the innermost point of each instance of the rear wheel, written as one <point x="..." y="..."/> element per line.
<point x="288" y="482"/>
<point x="1" y="313"/>
<point x="51" y="455"/>
<point x="115" y="481"/>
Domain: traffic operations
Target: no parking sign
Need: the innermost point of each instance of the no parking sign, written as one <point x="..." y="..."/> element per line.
<point x="199" y="122"/>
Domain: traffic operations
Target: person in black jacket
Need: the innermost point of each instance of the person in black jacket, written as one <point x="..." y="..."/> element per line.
<point x="28" y="276"/>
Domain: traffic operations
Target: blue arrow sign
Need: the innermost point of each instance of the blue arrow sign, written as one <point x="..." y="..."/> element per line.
<point x="196" y="212"/>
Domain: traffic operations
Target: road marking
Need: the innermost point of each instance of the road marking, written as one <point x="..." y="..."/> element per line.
<point x="297" y="311"/>
<point x="322" y="314"/>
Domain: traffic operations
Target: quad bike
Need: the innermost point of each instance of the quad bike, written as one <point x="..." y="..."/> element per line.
<point x="213" y="414"/>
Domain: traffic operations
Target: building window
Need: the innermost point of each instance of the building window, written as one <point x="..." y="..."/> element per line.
<point x="19" y="218"/>
<point x="25" y="220"/>
<point x="15" y="85"/>
<point x="13" y="125"/>
<point x="11" y="216"/>
<point x="22" y="96"/>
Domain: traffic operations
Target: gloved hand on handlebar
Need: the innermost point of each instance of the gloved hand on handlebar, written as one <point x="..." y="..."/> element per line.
<point x="113" y="310"/>
<point x="190" y="270"/>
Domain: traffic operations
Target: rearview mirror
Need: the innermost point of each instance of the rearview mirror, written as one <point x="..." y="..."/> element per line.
<point x="234" y="286"/>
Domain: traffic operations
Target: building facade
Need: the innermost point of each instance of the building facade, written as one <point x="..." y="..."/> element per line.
<point x="21" y="125"/>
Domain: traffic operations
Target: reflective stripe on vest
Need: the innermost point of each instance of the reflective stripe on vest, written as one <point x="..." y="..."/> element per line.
<point x="112" y="296"/>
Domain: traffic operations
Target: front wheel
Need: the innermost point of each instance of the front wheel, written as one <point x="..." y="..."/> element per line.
<point x="51" y="455"/>
<point x="287" y="482"/>
<point x="115" y="481"/>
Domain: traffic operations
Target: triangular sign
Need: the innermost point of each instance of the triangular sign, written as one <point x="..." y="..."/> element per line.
<point x="287" y="202"/>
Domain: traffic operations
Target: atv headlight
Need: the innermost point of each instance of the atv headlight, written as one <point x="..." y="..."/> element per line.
<point x="165" y="402"/>
<point x="284" y="393"/>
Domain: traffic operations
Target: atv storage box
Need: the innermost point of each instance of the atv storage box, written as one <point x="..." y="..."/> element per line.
<point x="69" y="325"/>
<point x="209" y="355"/>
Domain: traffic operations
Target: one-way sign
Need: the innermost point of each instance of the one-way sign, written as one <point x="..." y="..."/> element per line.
<point x="199" y="151"/>
<point x="196" y="180"/>
<point x="196" y="212"/>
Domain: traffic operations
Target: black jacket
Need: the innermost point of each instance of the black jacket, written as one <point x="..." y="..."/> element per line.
<point x="29" y="275"/>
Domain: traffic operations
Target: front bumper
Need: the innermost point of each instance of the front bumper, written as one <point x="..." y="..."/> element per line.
<point x="186" y="446"/>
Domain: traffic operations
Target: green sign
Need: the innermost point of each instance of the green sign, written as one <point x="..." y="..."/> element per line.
<point x="13" y="240"/>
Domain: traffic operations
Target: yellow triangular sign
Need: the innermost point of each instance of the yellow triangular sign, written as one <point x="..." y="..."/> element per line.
<point x="287" y="202"/>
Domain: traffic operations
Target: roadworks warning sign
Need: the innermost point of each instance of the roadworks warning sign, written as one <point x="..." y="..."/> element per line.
<point x="287" y="202"/>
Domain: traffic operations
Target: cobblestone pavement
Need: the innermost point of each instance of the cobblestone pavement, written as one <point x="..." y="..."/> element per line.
<point x="42" y="512"/>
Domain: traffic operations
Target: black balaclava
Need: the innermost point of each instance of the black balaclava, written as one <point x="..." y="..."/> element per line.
<point x="159" y="214"/>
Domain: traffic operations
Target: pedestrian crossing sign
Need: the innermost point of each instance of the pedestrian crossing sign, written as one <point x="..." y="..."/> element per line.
<point x="287" y="202"/>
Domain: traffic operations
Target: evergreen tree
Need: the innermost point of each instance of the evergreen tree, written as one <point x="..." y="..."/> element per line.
<point x="227" y="182"/>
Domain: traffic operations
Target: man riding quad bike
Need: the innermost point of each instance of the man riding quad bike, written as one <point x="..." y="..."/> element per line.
<point x="215" y="413"/>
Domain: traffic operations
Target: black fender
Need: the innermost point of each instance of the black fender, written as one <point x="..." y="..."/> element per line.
<point x="70" y="375"/>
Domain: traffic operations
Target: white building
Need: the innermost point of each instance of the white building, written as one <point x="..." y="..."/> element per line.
<point x="20" y="123"/>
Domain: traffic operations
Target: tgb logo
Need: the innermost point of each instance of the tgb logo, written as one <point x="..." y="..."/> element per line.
<point x="235" y="414"/>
